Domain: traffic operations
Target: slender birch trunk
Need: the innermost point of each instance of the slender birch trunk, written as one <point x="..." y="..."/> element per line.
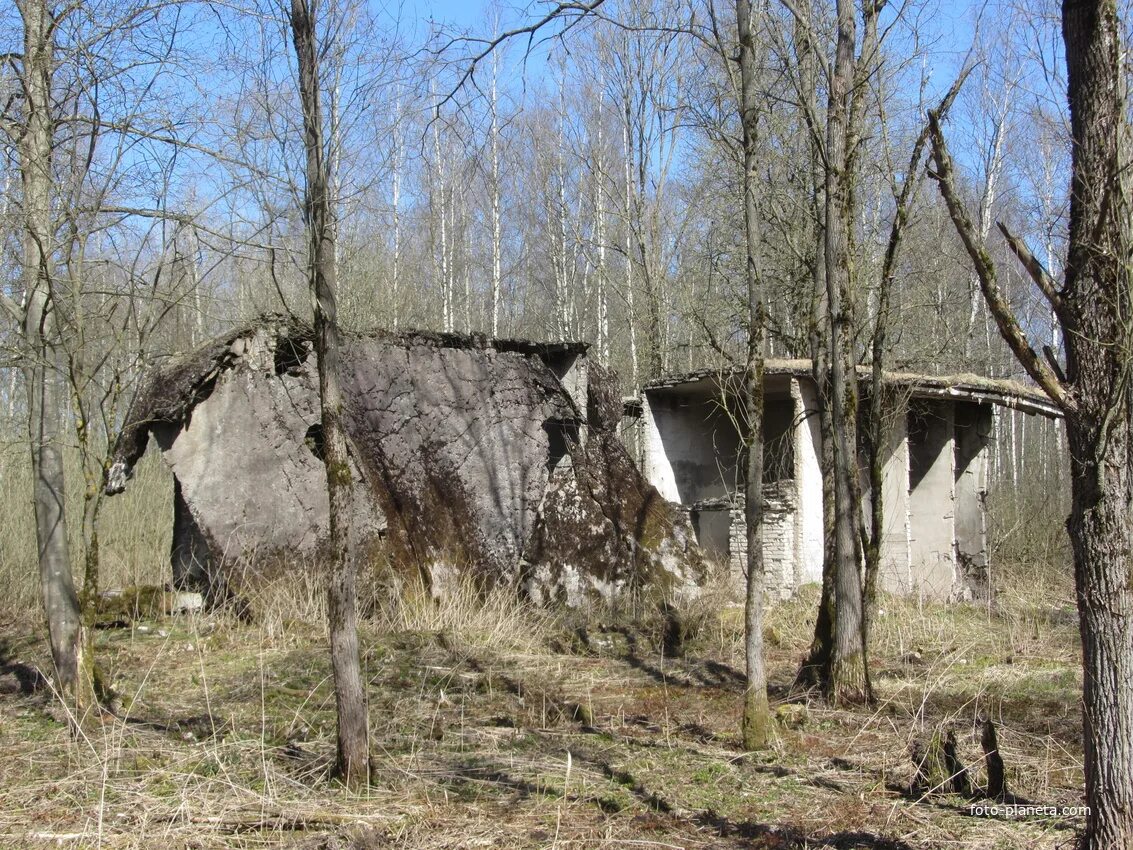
<point x="398" y="165"/>
<point x="497" y="234"/>
<point x="627" y="148"/>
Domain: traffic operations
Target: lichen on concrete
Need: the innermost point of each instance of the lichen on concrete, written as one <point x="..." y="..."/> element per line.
<point x="466" y="455"/>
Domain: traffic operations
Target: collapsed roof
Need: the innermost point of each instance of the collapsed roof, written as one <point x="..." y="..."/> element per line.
<point x="961" y="387"/>
<point x="934" y="456"/>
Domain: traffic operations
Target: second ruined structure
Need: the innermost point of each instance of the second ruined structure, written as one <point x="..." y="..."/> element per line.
<point x="688" y="429"/>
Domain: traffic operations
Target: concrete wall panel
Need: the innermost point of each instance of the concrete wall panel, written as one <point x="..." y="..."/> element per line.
<point x="932" y="499"/>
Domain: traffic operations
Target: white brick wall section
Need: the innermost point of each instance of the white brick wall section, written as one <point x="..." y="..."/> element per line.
<point x="778" y="543"/>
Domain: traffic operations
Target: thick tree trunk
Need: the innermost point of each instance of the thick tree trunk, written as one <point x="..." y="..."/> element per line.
<point x="1095" y="322"/>
<point x="353" y="764"/>
<point x="1093" y="306"/>
<point x="61" y="603"/>
<point x="756" y="727"/>
<point x="1101" y="527"/>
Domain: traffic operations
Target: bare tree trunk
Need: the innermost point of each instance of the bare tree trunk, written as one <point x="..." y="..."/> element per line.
<point x="12" y="378"/>
<point x="602" y="320"/>
<point x="846" y="671"/>
<point x="61" y="603"/>
<point x="756" y="726"/>
<point x="398" y="165"/>
<point x="353" y="764"/>
<point x="627" y="149"/>
<point x="876" y="431"/>
<point x="497" y="235"/>
<point x="93" y="463"/>
<point x="1093" y="305"/>
<point x="461" y="207"/>
<point x="1013" y="449"/>
<point x="875" y="437"/>
<point x="813" y="668"/>
<point x="993" y="166"/>
<point x="442" y="261"/>
<point x="1098" y="339"/>
<point x="637" y="153"/>
<point x="561" y="262"/>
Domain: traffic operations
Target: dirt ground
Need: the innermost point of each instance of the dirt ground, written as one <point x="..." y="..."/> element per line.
<point x="542" y="733"/>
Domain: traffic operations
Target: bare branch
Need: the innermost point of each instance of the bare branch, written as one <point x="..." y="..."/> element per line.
<point x="1046" y="284"/>
<point x="1052" y="359"/>
<point x="802" y="19"/>
<point x="11" y="308"/>
<point x="562" y="9"/>
<point x="1009" y="328"/>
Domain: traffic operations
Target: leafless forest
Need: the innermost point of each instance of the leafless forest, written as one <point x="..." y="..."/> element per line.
<point x="681" y="184"/>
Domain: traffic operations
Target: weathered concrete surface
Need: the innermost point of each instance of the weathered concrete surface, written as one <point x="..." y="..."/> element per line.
<point x="937" y="434"/>
<point x="238" y="424"/>
<point x="932" y="498"/>
<point x="496" y="457"/>
<point x="973" y="434"/>
<point x="604" y="531"/>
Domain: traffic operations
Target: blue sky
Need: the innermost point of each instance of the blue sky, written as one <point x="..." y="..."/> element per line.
<point x="949" y="26"/>
<point x="952" y="22"/>
<point x="461" y="13"/>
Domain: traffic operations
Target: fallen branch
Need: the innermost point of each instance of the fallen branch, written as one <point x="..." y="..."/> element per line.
<point x="276" y="821"/>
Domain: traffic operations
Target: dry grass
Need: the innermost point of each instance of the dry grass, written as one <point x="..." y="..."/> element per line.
<point x="496" y="724"/>
<point x="485" y="736"/>
<point x="499" y="618"/>
<point x="135" y="528"/>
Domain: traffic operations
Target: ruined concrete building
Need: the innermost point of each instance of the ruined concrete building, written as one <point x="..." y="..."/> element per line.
<point x="935" y="472"/>
<point x="468" y="454"/>
<point x="501" y="457"/>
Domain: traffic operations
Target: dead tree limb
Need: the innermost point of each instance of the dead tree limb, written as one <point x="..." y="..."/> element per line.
<point x="1009" y="327"/>
<point x="1046" y="284"/>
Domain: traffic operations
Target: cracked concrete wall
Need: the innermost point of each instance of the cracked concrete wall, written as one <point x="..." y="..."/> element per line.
<point x="248" y="480"/>
<point x="459" y="443"/>
<point x="604" y="532"/>
<point x="467" y="455"/>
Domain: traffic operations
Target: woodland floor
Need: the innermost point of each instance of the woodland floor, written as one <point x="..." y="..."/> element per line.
<point x="577" y="736"/>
